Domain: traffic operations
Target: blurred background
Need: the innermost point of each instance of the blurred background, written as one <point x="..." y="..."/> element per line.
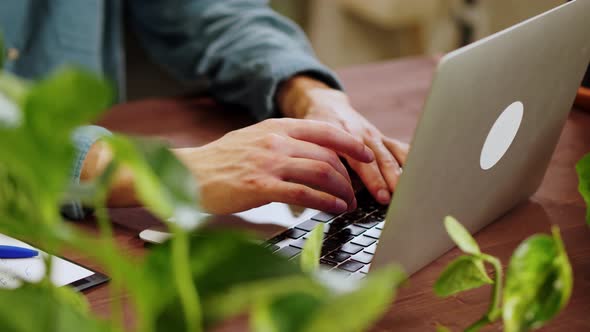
<point x="351" y="32"/>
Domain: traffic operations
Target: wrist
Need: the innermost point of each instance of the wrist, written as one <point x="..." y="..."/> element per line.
<point x="295" y="96"/>
<point x="97" y="159"/>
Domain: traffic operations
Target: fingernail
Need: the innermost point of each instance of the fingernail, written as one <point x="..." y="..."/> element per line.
<point x="383" y="196"/>
<point x="369" y="154"/>
<point x="341" y="205"/>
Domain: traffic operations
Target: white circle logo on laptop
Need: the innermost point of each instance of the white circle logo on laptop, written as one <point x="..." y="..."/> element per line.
<point x="501" y="135"/>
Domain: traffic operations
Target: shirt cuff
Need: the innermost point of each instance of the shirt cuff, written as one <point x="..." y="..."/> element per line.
<point x="83" y="138"/>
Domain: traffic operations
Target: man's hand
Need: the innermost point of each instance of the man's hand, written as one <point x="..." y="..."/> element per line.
<point x="279" y="160"/>
<point x="305" y="98"/>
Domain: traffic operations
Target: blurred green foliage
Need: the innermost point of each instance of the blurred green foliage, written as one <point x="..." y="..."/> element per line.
<point x="197" y="280"/>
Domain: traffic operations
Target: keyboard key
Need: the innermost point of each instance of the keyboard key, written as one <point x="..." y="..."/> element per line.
<point x="275" y="240"/>
<point x="351" y="248"/>
<point x="375" y="217"/>
<point x="363" y="257"/>
<point x="298" y="244"/>
<point x="365" y="269"/>
<point x="323" y="217"/>
<point x="307" y="226"/>
<point x="364" y="241"/>
<point x="341" y="237"/>
<point x="371" y="249"/>
<point x="355" y="230"/>
<point x="357" y="276"/>
<point x="273" y="248"/>
<point x="367" y="223"/>
<point x="329" y="246"/>
<point x="380" y="226"/>
<point x="328" y="263"/>
<point x="289" y="252"/>
<point x="338" y="224"/>
<point x="374" y="233"/>
<point x="295" y="233"/>
<point x="337" y="257"/>
<point x="350" y="266"/>
<point x="354" y="215"/>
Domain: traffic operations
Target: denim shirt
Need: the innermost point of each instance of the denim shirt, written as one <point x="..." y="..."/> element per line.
<point x="241" y="47"/>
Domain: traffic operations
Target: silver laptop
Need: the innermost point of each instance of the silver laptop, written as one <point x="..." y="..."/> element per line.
<point x="488" y="131"/>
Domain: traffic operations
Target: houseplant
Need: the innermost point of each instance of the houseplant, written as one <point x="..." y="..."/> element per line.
<point x="210" y="275"/>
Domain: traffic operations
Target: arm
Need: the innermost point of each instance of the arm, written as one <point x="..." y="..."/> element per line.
<point x="278" y="160"/>
<point x="258" y="60"/>
<point x="242" y="47"/>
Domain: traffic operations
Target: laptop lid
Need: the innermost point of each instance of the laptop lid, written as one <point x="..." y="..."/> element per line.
<point x="516" y="87"/>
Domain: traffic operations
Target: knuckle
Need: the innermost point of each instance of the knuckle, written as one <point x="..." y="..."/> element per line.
<point x="389" y="162"/>
<point x="299" y="194"/>
<point x="255" y="182"/>
<point x="324" y="171"/>
<point x="272" y="142"/>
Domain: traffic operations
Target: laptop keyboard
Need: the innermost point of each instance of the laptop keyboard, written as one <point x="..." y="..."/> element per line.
<point x="350" y="239"/>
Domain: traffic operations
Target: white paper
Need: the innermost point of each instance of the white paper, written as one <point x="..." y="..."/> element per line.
<point x="12" y="271"/>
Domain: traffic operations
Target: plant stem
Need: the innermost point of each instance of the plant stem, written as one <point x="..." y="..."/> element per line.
<point x="106" y="236"/>
<point x="494" y="311"/>
<point x="184" y="282"/>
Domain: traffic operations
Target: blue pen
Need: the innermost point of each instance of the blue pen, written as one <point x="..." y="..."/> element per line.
<point x="17" y="252"/>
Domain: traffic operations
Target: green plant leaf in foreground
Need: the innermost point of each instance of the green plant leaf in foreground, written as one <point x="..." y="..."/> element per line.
<point x="441" y="328"/>
<point x="288" y="313"/>
<point x="464" y="273"/>
<point x="583" y="169"/>
<point x="41" y="307"/>
<point x="310" y="256"/>
<point x="358" y="310"/>
<point x="461" y="236"/>
<point x="162" y="182"/>
<point x="354" y="310"/>
<point x="538" y="283"/>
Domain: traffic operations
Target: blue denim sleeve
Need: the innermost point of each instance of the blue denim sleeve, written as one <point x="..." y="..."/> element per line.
<point x="242" y="47"/>
<point x="83" y="138"/>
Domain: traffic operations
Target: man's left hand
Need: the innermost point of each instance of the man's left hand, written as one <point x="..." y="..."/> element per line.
<point x="304" y="97"/>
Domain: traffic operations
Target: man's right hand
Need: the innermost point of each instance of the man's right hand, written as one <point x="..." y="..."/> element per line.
<point x="278" y="160"/>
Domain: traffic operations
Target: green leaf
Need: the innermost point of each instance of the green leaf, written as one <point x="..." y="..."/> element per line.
<point x="288" y="313"/>
<point x="538" y="283"/>
<point x="231" y="273"/>
<point x="34" y="308"/>
<point x="464" y="273"/>
<point x="359" y="309"/>
<point x="310" y="256"/>
<point x="583" y="169"/>
<point x="65" y="100"/>
<point x="461" y="236"/>
<point x="162" y="182"/>
<point x="441" y="328"/>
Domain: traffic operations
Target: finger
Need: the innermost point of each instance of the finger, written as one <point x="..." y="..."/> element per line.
<point x="331" y="137"/>
<point x="373" y="180"/>
<point x="298" y="194"/>
<point x="388" y="165"/>
<point x="318" y="175"/>
<point x="399" y="149"/>
<point x="303" y="149"/>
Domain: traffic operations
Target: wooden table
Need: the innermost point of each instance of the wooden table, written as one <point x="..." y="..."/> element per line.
<point x="391" y="95"/>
